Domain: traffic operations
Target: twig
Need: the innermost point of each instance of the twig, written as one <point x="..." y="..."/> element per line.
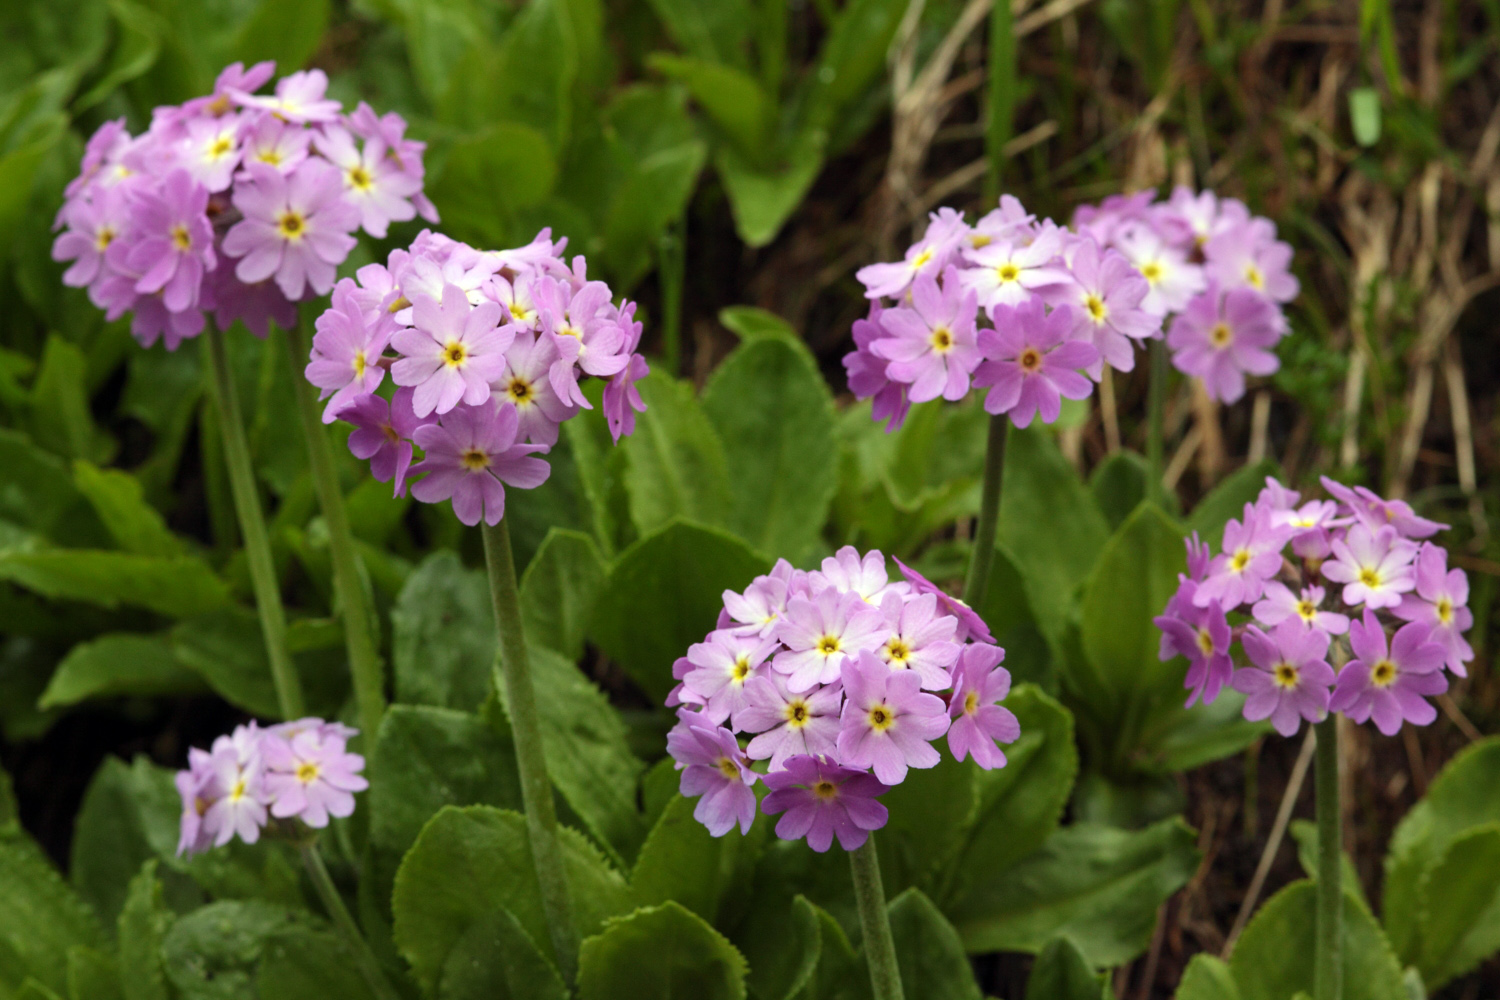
<point x="1045" y="16"/>
<point x="1158" y="938"/>
<point x="974" y="170"/>
<point x="1453" y="712"/>
<point x="1260" y="419"/>
<point x="1463" y="437"/>
<point x="1181" y="458"/>
<point x="1108" y="413"/>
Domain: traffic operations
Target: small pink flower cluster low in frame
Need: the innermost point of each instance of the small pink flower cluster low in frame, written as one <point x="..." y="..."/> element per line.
<point x="293" y="771"/>
<point x="1374" y="556"/>
<point x="489" y="348"/>
<point x="1062" y="304"/>
<point x="843" y="679"/>
<point x="238" y="203"/>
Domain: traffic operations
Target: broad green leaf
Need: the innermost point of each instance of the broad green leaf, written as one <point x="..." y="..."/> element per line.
<point x="470" y="862"/>
<point x="20" y="164"/>
<point x="60" y="418"/>
<point x="443" y="635"/>
<point x="774" y="413"/>
<point x="143" y="925"/>
<point x="1062" y="973"/>
<point x="1118" y="485"/>
<point x="1462" y="797"/>
<point x="120" y="502"/>
<point x="487" y="179"/>
<point x="929" y="952"/>
<point x="1099" y="885"/>
<point x="524" y="77"/>
<point x="1459" y="922"/>
<point x="213" y="952"/>
<point x="841" y="973"/>
<point x="731" y="98"/>
<point x="588" y="753"/>
<point x="288" y="31"/>
<point x="655" y="195"/>
<point x="310" y="965"/>
<point x="40" y="917"/>
<point x="660" y="953"/>
<point x="763" y="199"/>
<point x="497" y="960"/>
<point x="713" y="30"/>
<point x="120" y="663"/>
<point x="1182" y="738"/>
<point x="177" y="587"/>
<point x="1305" y="833"/>
<point x="1266" y="968"/>
<point x="681" y="861"/>
<point x="129" y="816"/>
<point x="677" y="465"/>
<point x="37" y="492"/>
<point x="1227" y="500"/>
<point x="932" y="814"/>
<point x="1207" y="978"/>
<point x="137" y="44"/>
<point x="558" y="591"/>
<point x="663" y="594"/>
<point x="70" y="33"/>
<point x="782" y="946"/>
<point x="228" y="650"/>
<point x="92" y="974"/>
<point x="1020" y="804"/>
<point x="601" y="474"/>
<point x="751" y="323"/>
<point x="853" y="59"/>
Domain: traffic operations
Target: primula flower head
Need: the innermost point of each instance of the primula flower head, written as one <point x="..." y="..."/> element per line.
<point x="452" y="352"/>
<point x="820" y="800"/>
<point x="1031" y="362"/>
<point x="1388" y="683"/>
<point x="1290" y="678"/>
<point x="713" y="767"/>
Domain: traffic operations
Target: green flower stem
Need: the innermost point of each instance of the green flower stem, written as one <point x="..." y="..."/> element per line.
<point x="1328" y="967"/>
<point x="369" y="965"/>
<point x="1156" y="406"/>
<point x="253" y="528"/>
<point x="531" y="761"/>
<point x="880" y="949"/>
<point x="978" y="582"/>
<point x="348" y="579"/>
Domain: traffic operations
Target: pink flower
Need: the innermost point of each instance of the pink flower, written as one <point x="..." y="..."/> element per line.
<point x="864" y="575"/>
<point x="526" y="384"/>
<point x="584" y="333"/>
<point x="241" y="806"/>
<point x="1374" y="566"/>
<point x="373" y="182"/>
<point x="822" y="800"/>
<point x="1221" y="337"/>
<point x="1107" y="220"/>
<point x="257" y="306"/>
<point x="453" y="354"/>
<point x="1200" y="217"/>
<point x="821" y="633"/>
<point x="1171" y="279"/>
<point x="789" y="724"/>
<point x="1251" y="556"/>
<point x="1032" y="362"/>
<point x="296" y="228"/>
<point x="867" y="371"/>
<point x="979" y="723"/>
<point x="970" y="625"/>
<point x="713" y="766"/>
<point x="469" y="454"/>
<point x="931" y="346"/>
<point x="93" y="225"/>
<point x="1311" y="522"/>
<point x="921" y="639"/>
<point x="1010" y="274"/>
<point x="622" y="400"/>
<point x="1441" y="603"/>
<point x="1388" y="685"/>
<point x="723" y="666"/>
<point x="269" y="140"/>
<point x="1107" y="293"/>
<point x="929" y="255"/>
<point x="197" y="787"/>
<point x="299" y="98"/>
<point x="1375" y="512"/>
<point x="310" y="775"/>
<point x="760" y="607"/>
<point x="1290" y="679"/>
<point x="1202" y="635"/>
<point x="1248" y="255"/>
<point x="174" y="242"/>
<point x="888" y="721"/>
<point x="211" y="151"/>
<point x="1279" y="604"/>
<point x="1009" y="223"/>
<point x="346" y="351"/>
<point x="383" y="435"/>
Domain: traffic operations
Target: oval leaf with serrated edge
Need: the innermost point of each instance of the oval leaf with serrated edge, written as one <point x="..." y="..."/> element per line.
<point x="558" y="591"/>
<point x="124" y="663"/>
<point x="497" y="960"/>
<point x="443" y="635"/>
<point x="213" y="953"/>
<point x="682" y="861"/>
<point x="1062" y="973"/>
<point x="40" y="916"/>
<point x="928" y="950"/>
<point x="660" y="953"/>
<point x="676" y="464"/>
<point x="1459" y="922"/>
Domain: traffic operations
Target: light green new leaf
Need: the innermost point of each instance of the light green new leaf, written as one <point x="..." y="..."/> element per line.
<point x="487" y="179"/>
<point x="762" y="199"/>
<point x="143" y="925"/>
<point x="1207" y="978"/>
<point x="1459" y="922"/>
<point x="558" y="591"/>
<point x="677" y="465"/>
<point x="60" y="404"/>
<point x="682" y="861"/>
<point x="120" y="663"/>
<point x="663" y="594"/>
<point x="524" y="78"/>
<point x="1062" y="973"/>
<point x="929" y="952"/>
<point x="40" y="917"/>
<point x="1099" y="885"/>
<point x="660" y="953"/>
<point x="120" y="502"/>
<point x="497" y="960"/>
<point x="443" y="635"/>
<point x="774" y="414"/>
<point x="178" y="587"/>
<point x="213" y="953"/>
<point x="731" y="98"/>
<point x="714" y="30"/>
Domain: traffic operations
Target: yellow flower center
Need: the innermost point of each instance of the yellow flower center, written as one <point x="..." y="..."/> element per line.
<point x="269" y="155"/>
<point x="104" y="238"/>
<point x="979" y="240"/>
<point x="1285" y="676"/>
<point x="796" y="713"/>
<point x="519" y="391"/>
<point x="519" y="311"/>
<point x="1007" y="273"/>
<point x="881" y="718"/>
<point x="1240" y="560"/>
<point x="727" y="768"/>
<point x="971" y="702"/>
<point x="1383" y="673"/>
<point x="455" y="353"/>
<point x="307" y="772"/>
<point x="1096" y="307"/>
<point x="401" y="303"/>
<point x="1205" y="641"/>
<point x="828" y="645"/>
<point x="360" y="178"/>
<point x="238" y="791"/>
<point x="897" y="650"/>
<point x="1445" y="611"/>
<point x="1254" y="277"/>
<point x="291" y="225"/>
<point x="220" y="147"/>
<point x="1221" y="335"/>
<point x="180" y="238"/>
<point x="741" y="669"/>
<point x="1306" y="610"/>
<point x="1151" y="272"/>
<point x="475" y="460"/>
<point x="941" y="340"/>
<point x="825" y="790"/>
<point x="921" y="259"/>
<point x="360" y="364"/>
<point x="1369" y="577"/>
<point x="1030" y="360"/>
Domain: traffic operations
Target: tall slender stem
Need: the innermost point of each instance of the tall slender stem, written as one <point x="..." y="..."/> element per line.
<point x="1328" y="967"/>
<point x="880" y="949"/>
<point x="978" y="583"/>
<point x="369" y="965"/>
<point x="1156" y="401"/>
<point x="531" y="761"/>
<point x="253" y="528"/>
<point x="348" y="579"/>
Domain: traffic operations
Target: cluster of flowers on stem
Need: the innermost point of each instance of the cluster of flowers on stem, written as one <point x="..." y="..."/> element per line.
<point x="1374" y="554"/>
<point x="293" y="771"/>
<point x="489" y="347"/>
<point x="1062" y="303"/>
<point x="237" y="203"/>
<point x="843" y="678"/>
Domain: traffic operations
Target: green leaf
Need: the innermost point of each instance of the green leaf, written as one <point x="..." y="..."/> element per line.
<point x="92" y="975"/>
<point x="443" y="635"/>
<point x="1118" y="485"/>
<point x="497" y="960"/>
<point x="129" y="816"/>
<point x="928" y="951"/>
<point x="682" y="861"/>
<point x="178" y="587"/>
<point x="9" y="820"/>
<point x="213" y="952"/>
<point x="310" y="965"/>
<point x="288" y="31"/>
<point x="677" y="465"/>
<point x="120" y="663"/>
<point x="471" y="862"/>
<point x="713" y="30"/>
<point x="601" y="473"/>
<point x="1364" y="115"/>
<point x="1265" y="968"/>
<point x="525" y="79"/>
<point x="774" y="413"/>
<point x="731" y="98"/>
<point x="1099" y="885"/>
<point x="763" y="199"/>
<point x="931" y="816"/>
<point x="558" y="591"/>
<point x="588" y="752"/>
<point x="1062" y="973"/>
<point x="1305" y="833"/>
<point x="751" y="323"/>
<point x="1228" y="499"/>
<point x="783" y="947"/>
<point x="663" y="594"/>
<point x="842" y="973"/>
<point x="138" y="43"/>
<point x="37" y="492"/>
<point x="1459" y="921"/>
<point x="660" y="953"/>
<point x="143" y="925"/>
<point x="853" y="59"/>
<point x="120" y="502"/>
<point x="60" y="417"/>
<point x="228" y="650"/>
<point x="40" y="917"/>
<point x="1207" y="978"/>
<point x="487" y="179"/>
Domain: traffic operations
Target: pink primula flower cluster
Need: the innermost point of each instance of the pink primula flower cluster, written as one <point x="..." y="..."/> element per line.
<point x="237" y="204"/>
<point x="293" y="771"/>
<point x="841" y="679"/>
<point x="1375" y="556"/>
<point x="485" y="350"/>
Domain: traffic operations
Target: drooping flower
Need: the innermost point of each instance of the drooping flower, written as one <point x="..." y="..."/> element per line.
<point x="1031" y="363"/>
<point x="921" y="639"/>
<point x="527" y="385"/>
<point x="979" y="722"/>
<point x="1441" y="603"/>
<point x="820" y="633"/>
<point x="295" y="228"/>
<point x="346" y="351"/>
<point x="470" y="456"/>
<point x="931" y="344"/>
<point x="867" y="372"/>
<point x="312" y="776"/>
<point x="1279" y="604"/>
<point x="1220" y="337"/>
<point x="453" y="352"/>
<point x="241" y="806"/>
<point x="1290" y="678"/>
<point x="820" y="800"/>
<point x="788" y="723"/>
<point x="1374" y="566"/>
<point x="1388" y="683"/>
<point x="383" y="435"/>
<point x="1202" y="635"/>
<point x="970" y="625"/>
<point x="714" y="767"/>
<point x="173" y="244"/>
<point x="888" y="722"/>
